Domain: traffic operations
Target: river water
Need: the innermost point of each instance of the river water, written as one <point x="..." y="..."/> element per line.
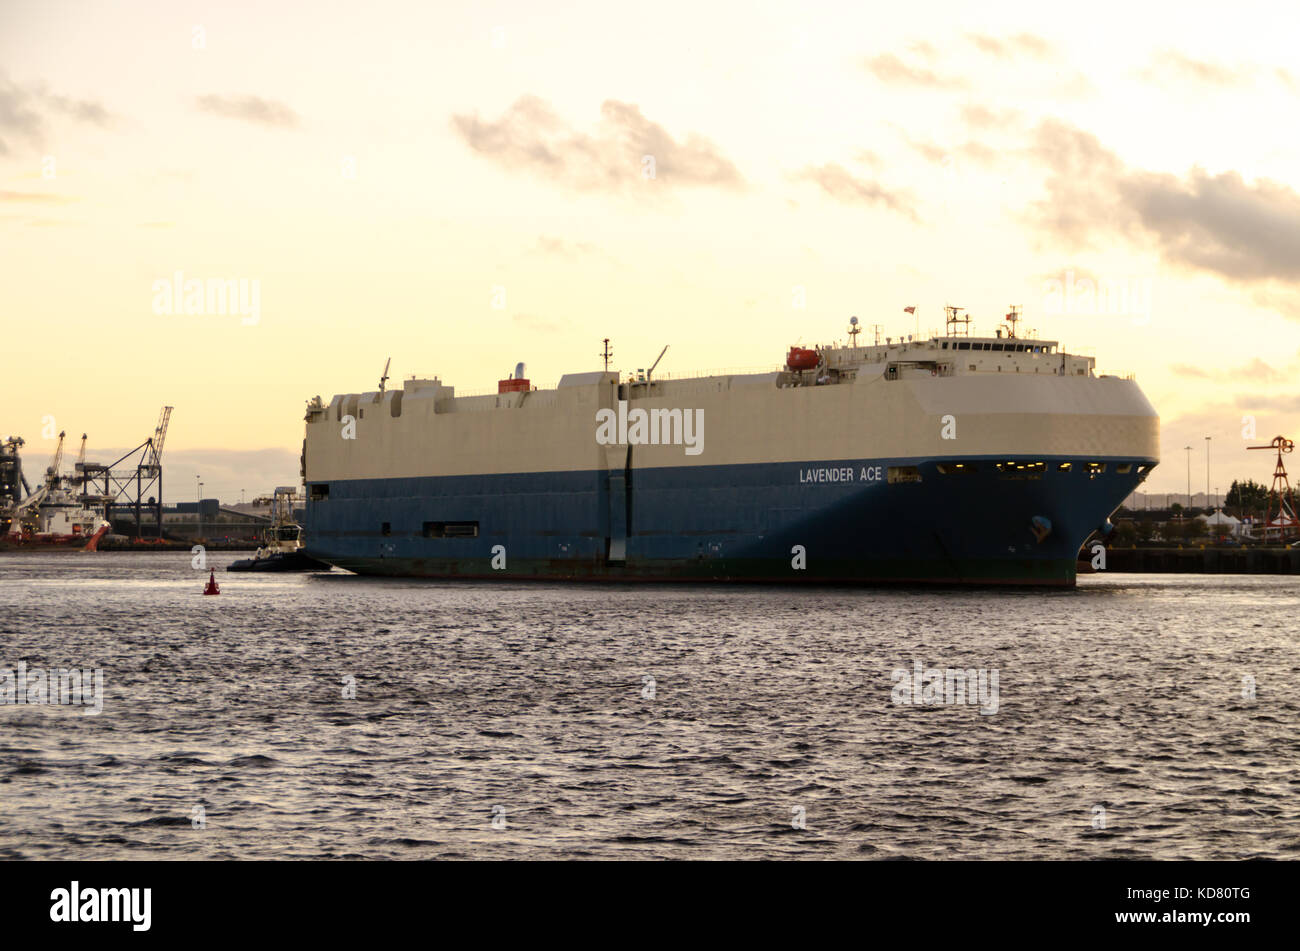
<point x="333" y="716"/>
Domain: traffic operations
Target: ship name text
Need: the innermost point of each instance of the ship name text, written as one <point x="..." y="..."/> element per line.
<point x="841" y="474"/>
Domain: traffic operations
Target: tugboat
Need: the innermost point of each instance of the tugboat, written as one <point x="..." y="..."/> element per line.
<point x="282" y="541"/>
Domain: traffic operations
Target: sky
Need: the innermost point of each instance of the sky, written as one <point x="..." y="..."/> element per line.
<point x="463" y="186"/>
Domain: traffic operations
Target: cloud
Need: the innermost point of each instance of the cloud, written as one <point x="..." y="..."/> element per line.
<point x="1245" y="232"/>
<point x="25" y="111"/>
<point x="83" y="110"/>
<point x="253" y="109"/>
<point x="1022" y="44"/>
<point x="34" y="198"/>
<point x="547" y="244"/>
<point x="1289" y="403"/>
<point x="868" y="158"/>
<point x="625" y="150"/>
<point x="930" y="151"/>
<point x="839" y="183"/>
<point x="986" y="118"/>
<point x="979" y="153"/>
<point x="888" y="68"/>
<point x="1172" y="66"/>
<point x="1255" y="370"/>
<point x="1220" y="223"/>
<point x="923" y="49"/>
<point x="969" y="152"/>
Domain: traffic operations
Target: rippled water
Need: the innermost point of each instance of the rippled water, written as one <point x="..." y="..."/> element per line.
<point x="530" y="704"/>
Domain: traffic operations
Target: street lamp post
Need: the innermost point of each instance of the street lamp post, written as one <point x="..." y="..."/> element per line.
<point x="1207" y="469"/>
<point x="1189" y="476"/>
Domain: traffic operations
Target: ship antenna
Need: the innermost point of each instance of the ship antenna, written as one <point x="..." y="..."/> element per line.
<point x="957" y="321"/>
<point x="607" y="354"/>
<point x="383" y="380"/>
<point x="1014" y="317"/>
<point x="854" y="330"/>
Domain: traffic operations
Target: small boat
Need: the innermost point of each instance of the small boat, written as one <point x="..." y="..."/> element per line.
<point x="282" y="548"/>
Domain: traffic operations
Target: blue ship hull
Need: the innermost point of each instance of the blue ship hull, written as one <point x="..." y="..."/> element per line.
<point x="820" y="523"/>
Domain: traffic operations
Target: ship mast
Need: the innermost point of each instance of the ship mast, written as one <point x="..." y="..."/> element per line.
<point x="1014" y="318"/>
<point x="957" y="321"/>
<point x="607" y="353"/>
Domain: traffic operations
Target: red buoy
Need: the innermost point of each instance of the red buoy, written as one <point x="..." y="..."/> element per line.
<point x="801" y="358"/>
<point x="212" y="587"/>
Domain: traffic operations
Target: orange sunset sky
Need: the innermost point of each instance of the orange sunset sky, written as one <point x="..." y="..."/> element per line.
<point x="462" y="186"/>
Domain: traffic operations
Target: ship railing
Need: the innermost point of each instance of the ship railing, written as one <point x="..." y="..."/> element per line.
<point x="720" y="371"/>
<point x="658" y="376"/>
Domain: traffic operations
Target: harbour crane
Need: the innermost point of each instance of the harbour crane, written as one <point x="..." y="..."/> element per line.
<point x="52" y="470"/>
<point x="127" y="482"/>
<point x="159" y="437"/>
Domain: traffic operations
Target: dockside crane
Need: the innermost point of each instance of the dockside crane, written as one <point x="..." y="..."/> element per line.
<point x="159" y="437"/>
<point x="126" y="486"/>
<point x="56" y="462"/>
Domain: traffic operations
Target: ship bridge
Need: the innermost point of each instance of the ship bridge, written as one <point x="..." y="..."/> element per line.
<point x="942" y="357"/>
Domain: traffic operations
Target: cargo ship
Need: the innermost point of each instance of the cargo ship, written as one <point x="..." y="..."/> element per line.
<point x="54" y="517"/>
<point x="956" y="459"/>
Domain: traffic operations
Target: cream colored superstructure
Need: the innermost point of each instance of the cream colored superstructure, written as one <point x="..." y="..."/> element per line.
<point x="922" y="400"/>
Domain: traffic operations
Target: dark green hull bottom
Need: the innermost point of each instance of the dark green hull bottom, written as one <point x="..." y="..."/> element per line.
<point x="1037" y="572"/>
